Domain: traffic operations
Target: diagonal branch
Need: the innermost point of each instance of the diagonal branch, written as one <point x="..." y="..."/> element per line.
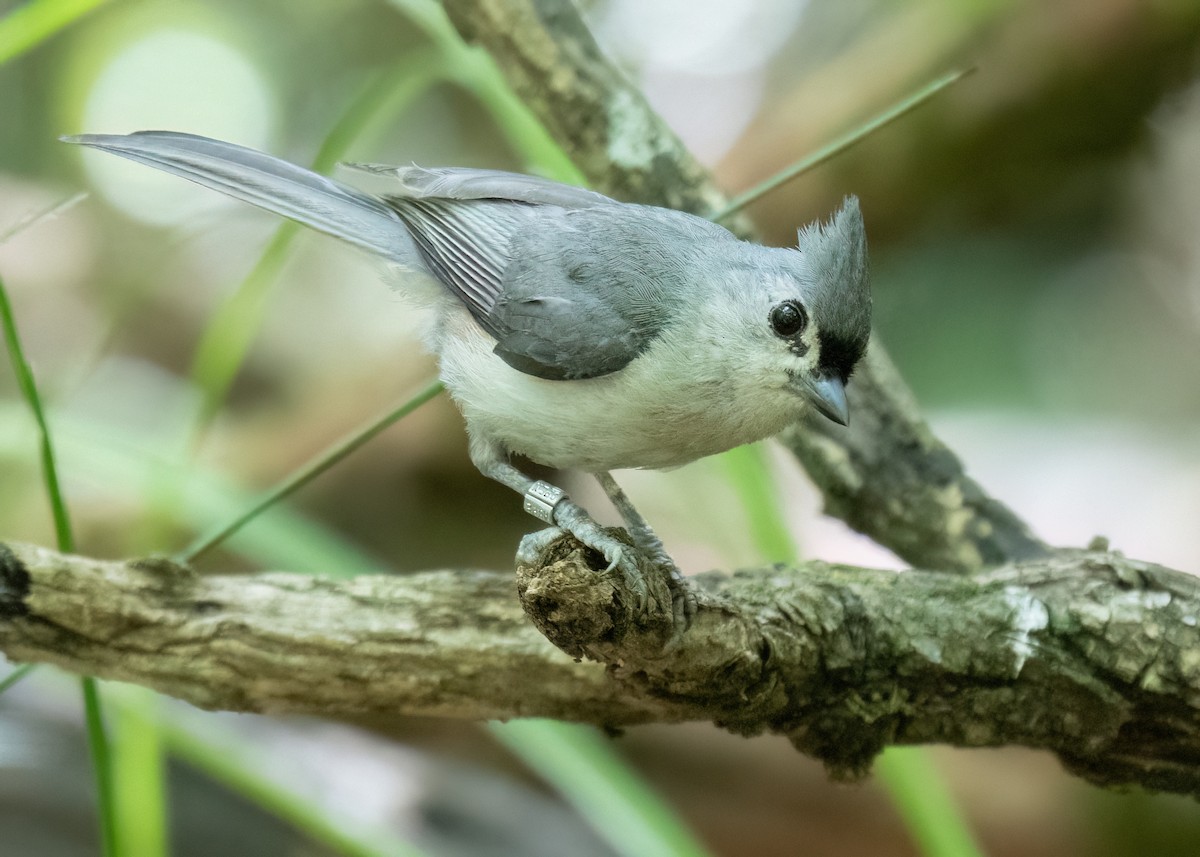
<point x="888" y="476"/>
<point x="1088" y="655"/>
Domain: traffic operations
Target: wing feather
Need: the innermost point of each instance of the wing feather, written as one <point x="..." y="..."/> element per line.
<point x="567" y="293"/>
<point x="466" y="244"/>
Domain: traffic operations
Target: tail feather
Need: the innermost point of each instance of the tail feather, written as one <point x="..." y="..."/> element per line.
<point x="467" y="183"/>
<point x="268" y="182"/>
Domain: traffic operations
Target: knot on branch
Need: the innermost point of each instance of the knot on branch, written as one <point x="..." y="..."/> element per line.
<point x="588" y="610"/>
<point x="14" y="585"/>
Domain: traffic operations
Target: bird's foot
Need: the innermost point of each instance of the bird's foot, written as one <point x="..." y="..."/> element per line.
<point x="619" y="556"/>
<point x="634" y="565"/>
<point x="683" y="597"/>
<point x="550" y="504"/>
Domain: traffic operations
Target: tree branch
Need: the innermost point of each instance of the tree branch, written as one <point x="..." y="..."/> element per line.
<point x="1089" y="655"/>
<point x="887" y="476"/>
<point x="284" y="642"/>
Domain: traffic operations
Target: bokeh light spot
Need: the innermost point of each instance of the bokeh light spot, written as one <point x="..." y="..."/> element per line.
<point x="178" y="80"/>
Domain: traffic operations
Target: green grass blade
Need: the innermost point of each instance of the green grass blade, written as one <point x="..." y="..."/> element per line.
<point x="385" y="97"/>
<point x="841" y="144"/>
<point x="139" y="773"/>
<point x="614" y="799"/>
<point x="102" y="768"/>
<point x="222" y="348"/>
<point x="28" y="387"/>
<point x="26" y="27"/>
<point x="227" y="338"/>
<point x="240" y="767"/>
<point x="749" y="471"/>
<point x="923" y="801"/>
<point x="474" y="69"/>
<point x="302" y="476"/>
<point x="16" y="675"/>
<point x="98" y="745"/>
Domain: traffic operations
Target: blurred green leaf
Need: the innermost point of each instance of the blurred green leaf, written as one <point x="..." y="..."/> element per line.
<point x="602" y="788"/>
<point x="28" y="387"/>
<point x="748" y="470"/>
<point x="473" y="69"/>
<point x="929" y="811"/>
<point x="228" y="336"/>
<point x="103" y="455"/>
<point x="303" y="475"/>
<point x="26" y="27"/>
<point x="100" y="751"/>
<point x="246" y="769"/>
<point x="139" y="773"/>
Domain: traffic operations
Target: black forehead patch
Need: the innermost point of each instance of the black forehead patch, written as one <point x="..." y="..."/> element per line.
<point x="840" y="354"/>
<point x="843" y="329"/>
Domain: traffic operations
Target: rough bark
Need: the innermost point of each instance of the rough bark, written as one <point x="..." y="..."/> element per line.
<point x="442" y="643"/>
<point x="1089" y="655"/>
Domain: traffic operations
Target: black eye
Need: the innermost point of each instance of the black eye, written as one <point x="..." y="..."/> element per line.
<point x="788" y="319"/>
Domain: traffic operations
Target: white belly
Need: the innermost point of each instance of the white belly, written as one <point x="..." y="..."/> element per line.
<point x="647" y="415"/>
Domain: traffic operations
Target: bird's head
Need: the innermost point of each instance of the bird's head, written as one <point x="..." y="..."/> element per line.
<point x="807" y="317"/>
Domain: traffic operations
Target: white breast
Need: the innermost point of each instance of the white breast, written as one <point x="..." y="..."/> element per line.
<point x="654" y="413"/>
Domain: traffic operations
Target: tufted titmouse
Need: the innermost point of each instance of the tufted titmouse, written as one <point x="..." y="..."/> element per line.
<point x="579" y="331"/>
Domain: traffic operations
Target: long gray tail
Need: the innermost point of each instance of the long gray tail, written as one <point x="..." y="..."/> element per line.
<point x="302" y="195"/>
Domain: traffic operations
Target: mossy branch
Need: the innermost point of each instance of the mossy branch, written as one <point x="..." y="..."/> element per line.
<point x="1089" y="655"/>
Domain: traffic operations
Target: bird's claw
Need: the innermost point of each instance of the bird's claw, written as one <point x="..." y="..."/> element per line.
<point x="621" y="559"/>
<point x="614" y="559"/>
<point x="619" y="556"/>
<point x="632" y="563"/>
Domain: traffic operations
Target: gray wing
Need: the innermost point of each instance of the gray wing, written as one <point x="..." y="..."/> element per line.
<point x="583" y="301"/>
<point x="464" y="222"/>
<point x="467" y="246"/>
<point x="567" y="293"/>
<point x="570" y="283"/>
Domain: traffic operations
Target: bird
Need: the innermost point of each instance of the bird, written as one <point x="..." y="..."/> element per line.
<point x="576" y="330"/>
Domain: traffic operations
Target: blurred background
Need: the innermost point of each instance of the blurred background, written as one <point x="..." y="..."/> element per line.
<point x="1035" y="241"/>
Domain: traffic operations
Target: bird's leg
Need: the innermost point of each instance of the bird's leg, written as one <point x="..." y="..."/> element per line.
<point x="683" y="599"/>
<point x="550" y="504"/>
<point x="644" y="537"/>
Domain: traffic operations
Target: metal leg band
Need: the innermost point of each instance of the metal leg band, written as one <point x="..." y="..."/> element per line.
<point x="541" y="499"/>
